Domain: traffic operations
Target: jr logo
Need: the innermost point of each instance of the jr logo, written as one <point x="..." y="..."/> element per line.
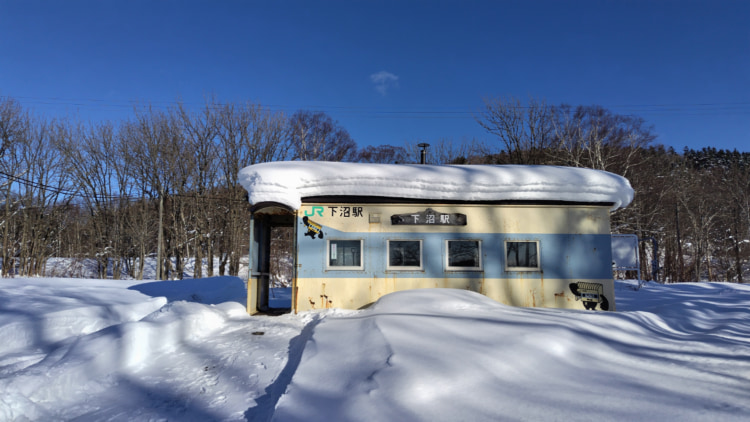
<point x="315" y="210"/>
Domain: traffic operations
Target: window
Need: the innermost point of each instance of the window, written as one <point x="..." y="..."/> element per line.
<point x="521" y="256"/>
<point x="404" y="254"/>
<point x="463" y="255"/>
<point x="345" y="254"/>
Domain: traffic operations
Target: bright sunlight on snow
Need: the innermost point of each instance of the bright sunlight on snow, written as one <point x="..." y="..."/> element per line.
<point x="186" y="350"/>
<point x="287" y="182"/>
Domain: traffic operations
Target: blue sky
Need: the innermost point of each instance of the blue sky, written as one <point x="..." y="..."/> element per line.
<point x="389" y="71"/>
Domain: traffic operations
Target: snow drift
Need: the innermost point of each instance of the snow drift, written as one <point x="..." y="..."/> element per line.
<point x="77" y="349"/>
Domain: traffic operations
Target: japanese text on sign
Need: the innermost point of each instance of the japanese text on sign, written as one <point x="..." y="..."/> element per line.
<point x="429" y="217"/>
<point x="345" y="212"/>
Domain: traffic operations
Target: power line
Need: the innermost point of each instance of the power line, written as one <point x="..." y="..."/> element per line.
<point x="704" y="108"/>
<point x="74" y="193"/>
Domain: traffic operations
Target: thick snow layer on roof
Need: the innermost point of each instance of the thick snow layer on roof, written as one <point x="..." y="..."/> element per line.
<point x="287" y="182"/>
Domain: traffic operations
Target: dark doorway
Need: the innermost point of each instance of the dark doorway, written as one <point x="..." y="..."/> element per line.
<point x="272" y="261"/>
<point x="281" y="267"/>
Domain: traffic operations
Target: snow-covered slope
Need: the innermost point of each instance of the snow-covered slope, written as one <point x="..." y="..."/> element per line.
<point x="76" y="349"/>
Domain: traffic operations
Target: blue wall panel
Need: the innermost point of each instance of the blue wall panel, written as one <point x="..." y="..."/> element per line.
<point x="565" y="256"/>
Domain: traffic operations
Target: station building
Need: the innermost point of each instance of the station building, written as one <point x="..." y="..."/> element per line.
<point x="533" y="236"/>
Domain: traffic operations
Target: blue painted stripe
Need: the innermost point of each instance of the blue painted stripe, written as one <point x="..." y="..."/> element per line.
<point x="563" y="256"/>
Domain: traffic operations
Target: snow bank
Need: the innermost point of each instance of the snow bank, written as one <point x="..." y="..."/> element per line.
<point x="288" y="182"/>
<point x="671" y="352"/>
<point x="445" y="355"/>
<point x="115" y="350"/>
<point x="61" y="309"/>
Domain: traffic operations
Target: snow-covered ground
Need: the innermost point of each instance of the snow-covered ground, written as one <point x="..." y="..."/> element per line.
<point x="91" y="350"/>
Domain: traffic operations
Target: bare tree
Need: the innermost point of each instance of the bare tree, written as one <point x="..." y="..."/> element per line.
<point x="13" y="124"/>
<point x="43" y="191"/>
<point x="14" y="130"/>
<point x="153" y="148"/>
<point x="92" y="161"/>
<point x="201" y="131"/>
<point x="167" y="181"/>
<point x="384" y="154"/>
<point x="595" y="137"/>
<point x="248" y="134"/>
<point x="733" y="234"/>
<point x="524" y="131"/>
<point x="316" y="136"/>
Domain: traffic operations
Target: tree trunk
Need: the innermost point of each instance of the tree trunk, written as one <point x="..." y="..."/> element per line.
<point x="141" y="261"/>
<point x="160" y="238"/>
<point x="210" y="257"/>
<point x="198" y="270"/>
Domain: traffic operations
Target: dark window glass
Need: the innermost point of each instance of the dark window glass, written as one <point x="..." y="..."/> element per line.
<point x="522" y="255"/>
<point x="464" y="254"/>
<point x="404" y="253"/>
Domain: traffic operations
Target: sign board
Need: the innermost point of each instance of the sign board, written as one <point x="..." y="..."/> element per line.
<point x="428" y="217"/>
<point x="625" y="252"/>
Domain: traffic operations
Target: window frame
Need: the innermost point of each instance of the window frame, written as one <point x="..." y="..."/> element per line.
<point x="538" y="267"/>
<point x="450" y="268"/>
<point x="389" y="267"/>
<point x="330" y="267"/>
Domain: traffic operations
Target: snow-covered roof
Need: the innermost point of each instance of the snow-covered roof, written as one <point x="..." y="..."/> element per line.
<point x="288" y="182"/>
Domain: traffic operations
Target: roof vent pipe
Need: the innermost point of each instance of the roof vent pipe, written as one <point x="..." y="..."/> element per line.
<point x="423" y="158"/>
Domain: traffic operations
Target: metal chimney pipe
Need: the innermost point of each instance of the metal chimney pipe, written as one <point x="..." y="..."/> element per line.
<point x="423" y="158"/>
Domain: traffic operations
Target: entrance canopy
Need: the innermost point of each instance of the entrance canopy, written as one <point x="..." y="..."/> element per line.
<point x="288" y="182"/>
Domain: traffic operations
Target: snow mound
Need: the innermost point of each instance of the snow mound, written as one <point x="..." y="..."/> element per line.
<point x="443" y="355"/>
<point x="288" y="182"/>
<point x="671" y="352"/>
<point x="61" y="310"/>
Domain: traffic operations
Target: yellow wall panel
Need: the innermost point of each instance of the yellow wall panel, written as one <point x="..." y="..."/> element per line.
<point x="575" y="219"/>
<point x="353" y="293"/>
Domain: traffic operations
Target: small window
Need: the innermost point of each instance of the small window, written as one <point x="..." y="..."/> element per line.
<point x="344" y="254"/>
<point x="463" y="255"/>
<point x="521" y="256"/>
<point x="404" y="254"/>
